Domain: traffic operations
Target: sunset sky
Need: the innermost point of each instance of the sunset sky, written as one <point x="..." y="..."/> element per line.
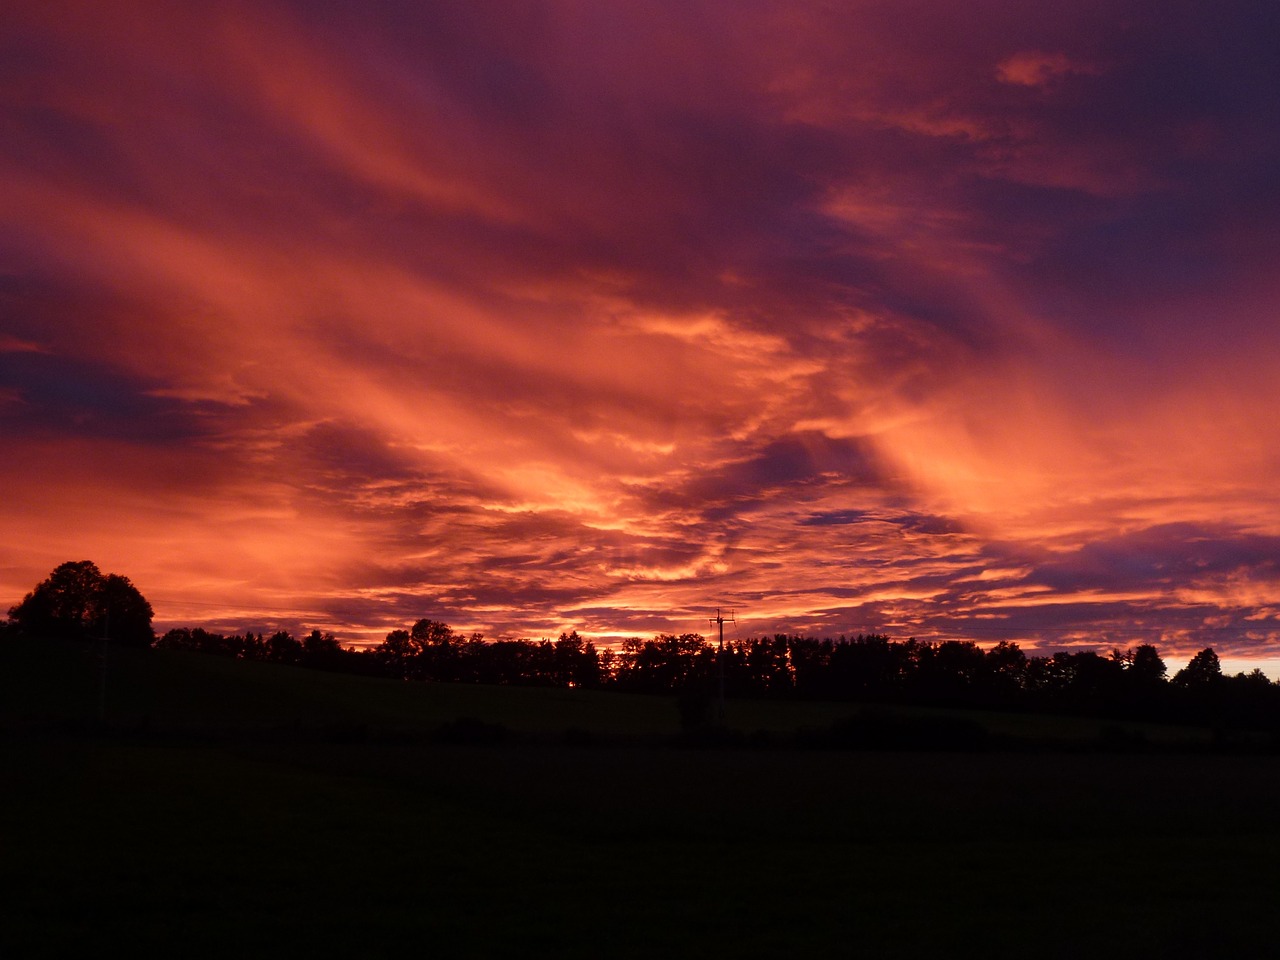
<point x="946" y="320"/>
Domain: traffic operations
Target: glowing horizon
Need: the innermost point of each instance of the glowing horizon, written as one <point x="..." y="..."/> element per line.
<point x="928" y="319"/>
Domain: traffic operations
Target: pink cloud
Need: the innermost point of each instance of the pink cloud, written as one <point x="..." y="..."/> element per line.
<point x="1032" y="68"/>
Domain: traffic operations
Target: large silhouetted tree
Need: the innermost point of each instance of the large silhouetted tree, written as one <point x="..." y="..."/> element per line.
<point x="76" y="601"/>
<point x="436" y="650"/>
<point x="122" y="613"/>
<point x="60" y="604"/>
<point x="1147" y="666"/>
<point x="1203" y="671"/>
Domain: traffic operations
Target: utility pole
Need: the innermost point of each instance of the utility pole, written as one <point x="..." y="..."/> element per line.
<point x="102" y="687"/>
<point x="719" y="620"/>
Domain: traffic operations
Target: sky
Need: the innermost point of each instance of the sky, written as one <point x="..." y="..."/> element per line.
<point x="947" y="320"/>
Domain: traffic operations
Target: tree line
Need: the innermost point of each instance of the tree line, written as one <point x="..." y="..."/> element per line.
<point x="78" y="601"/>
<point x="871" y="669"/>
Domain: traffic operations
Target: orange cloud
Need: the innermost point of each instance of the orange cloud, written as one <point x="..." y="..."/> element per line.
<point x="1033" y="68"/>
<point x="582" y="319"/>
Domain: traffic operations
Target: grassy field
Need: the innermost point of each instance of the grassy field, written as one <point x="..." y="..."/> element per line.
<point x="245" y="809"/>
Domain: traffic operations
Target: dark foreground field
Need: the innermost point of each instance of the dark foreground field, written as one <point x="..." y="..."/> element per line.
<point x="232" y="809"/>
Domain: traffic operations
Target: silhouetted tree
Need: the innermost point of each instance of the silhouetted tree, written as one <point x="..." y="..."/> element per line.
<point x="1146" y="665"/>
<point x="1097" y="684"/>
<point x="430" y="633"/>
<point x="283" y="647"/>
<point x="1005" y="674"/>
<point x="77" y="602"/>
<point x="763" y="667"/>
<point x="1145" y="690"/>
<point x="122" y="613"/>
<point x="435" y="650"/>
<point x="950" y="672"/>
<point x="809" y="659"/>
<point x="396" y="654"/>
<point x="251" y="647"/>
<point x="868" y="667"/>
<point x="503" y="662"/>
<point x="323" y="650"/>
<point x="200" y="641"/>
<point x="468" y="657"/>
<point x="1249" y="700"/>
<point x="179" y="638"/>
<point x="663" y="664"/>
<point x="608" y="665"/>
<point x="574" y="662"/>
<point x="1201" y="672"/>
<point x="1203" y="694"/>
<point x="61" y="605"/>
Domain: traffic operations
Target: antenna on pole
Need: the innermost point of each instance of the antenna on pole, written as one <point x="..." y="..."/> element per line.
<point x="719" y="620"/>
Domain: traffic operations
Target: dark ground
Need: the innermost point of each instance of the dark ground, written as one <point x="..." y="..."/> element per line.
<point x="259" y="826"/>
